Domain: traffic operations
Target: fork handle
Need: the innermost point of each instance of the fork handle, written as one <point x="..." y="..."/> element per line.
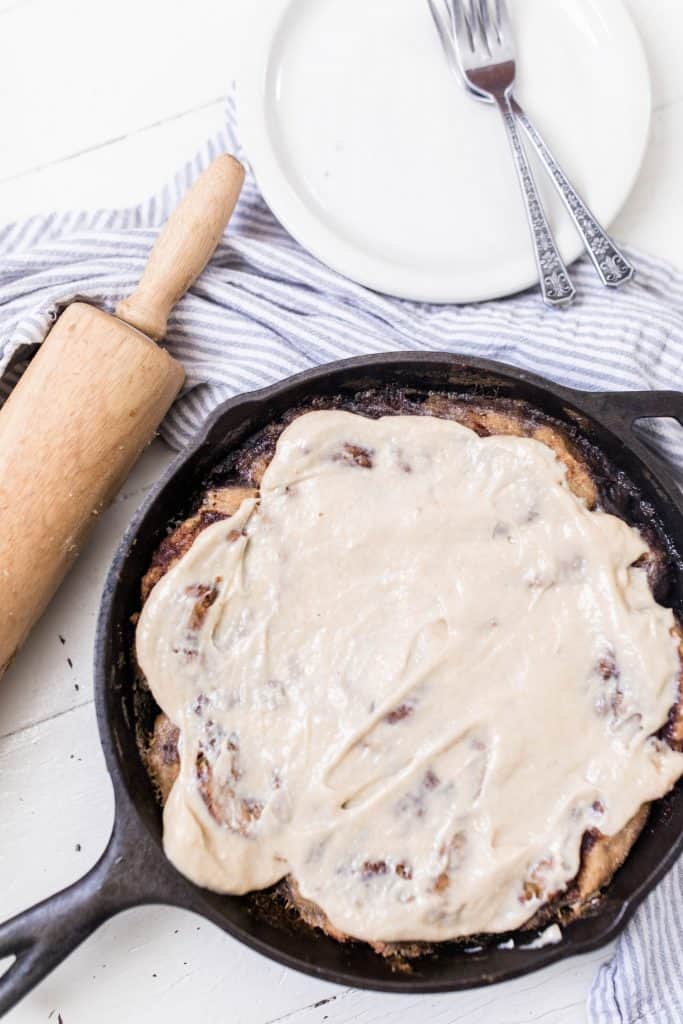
<point x="612" y="266"/>
<point x="556" y="286"/>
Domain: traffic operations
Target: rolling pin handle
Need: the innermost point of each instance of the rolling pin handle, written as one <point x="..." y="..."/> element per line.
<point x="184" y="247"/>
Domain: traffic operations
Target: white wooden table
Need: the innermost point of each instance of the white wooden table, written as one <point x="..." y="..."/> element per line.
<point x="100" y="103"/>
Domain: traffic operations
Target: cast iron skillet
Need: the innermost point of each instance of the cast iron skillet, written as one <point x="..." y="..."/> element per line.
<point x="133" y="869"/>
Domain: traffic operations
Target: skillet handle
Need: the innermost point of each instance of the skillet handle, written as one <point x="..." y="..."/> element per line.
<point x="43" y="936"/>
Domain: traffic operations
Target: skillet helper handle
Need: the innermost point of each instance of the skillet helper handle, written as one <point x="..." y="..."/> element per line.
<point x="621" y="410"/>
<point x="89" y="403"/>
<point x="184" y="247"/>
<point x="630" y="406"/>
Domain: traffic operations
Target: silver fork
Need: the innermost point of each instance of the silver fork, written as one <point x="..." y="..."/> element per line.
<point x="487" y="62"/>
<point x="477" y="25"/>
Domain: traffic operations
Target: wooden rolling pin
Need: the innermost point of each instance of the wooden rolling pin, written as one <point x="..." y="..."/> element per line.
<point x="88" y="404"/>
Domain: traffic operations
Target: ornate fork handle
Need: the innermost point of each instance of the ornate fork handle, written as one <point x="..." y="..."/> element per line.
<point x="611" y="264"/>
<point x="556" y="286"/>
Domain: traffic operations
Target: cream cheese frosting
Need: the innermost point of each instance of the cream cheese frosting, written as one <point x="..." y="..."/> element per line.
<point x="411" y="675"/>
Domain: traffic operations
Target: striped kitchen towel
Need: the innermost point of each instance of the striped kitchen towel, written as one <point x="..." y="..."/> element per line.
<point x="264" y="308"/>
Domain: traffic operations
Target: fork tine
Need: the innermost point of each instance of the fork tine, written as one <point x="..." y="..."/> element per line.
<point x="485" y="25"/>
<point x="494" y="29"/>
<point x="503" y="22"/>
<point x="454" y="8"/>
<point x="442" y="28"/>
<point x="462" y="27"/>
<point x="478" y="31"/>
<point x="469" y="16"/>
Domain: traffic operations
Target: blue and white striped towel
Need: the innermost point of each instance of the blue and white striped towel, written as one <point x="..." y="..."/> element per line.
<point x="264" y="308"/>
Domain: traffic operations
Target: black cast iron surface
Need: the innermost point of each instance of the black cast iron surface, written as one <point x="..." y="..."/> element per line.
<point x="133" y="869"/>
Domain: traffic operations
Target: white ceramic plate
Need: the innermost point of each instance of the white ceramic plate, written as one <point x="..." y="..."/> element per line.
<point x="375" y="158"/>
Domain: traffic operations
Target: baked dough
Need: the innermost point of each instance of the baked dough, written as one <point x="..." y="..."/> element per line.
<point x="600" y="854"/>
